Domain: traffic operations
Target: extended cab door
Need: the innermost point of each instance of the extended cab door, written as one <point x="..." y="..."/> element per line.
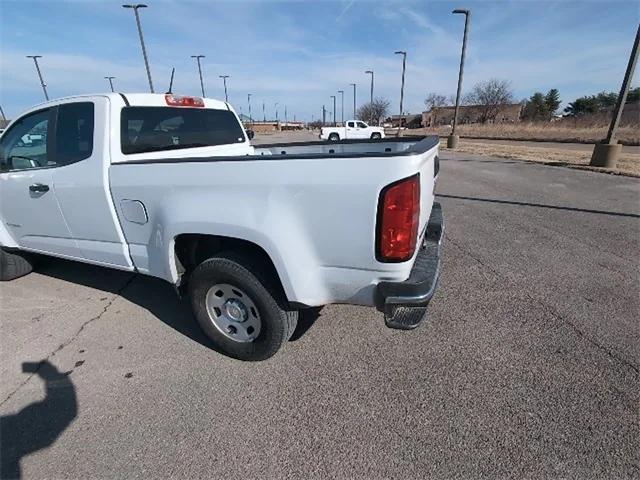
<point x="351" y="131"/>
<point x="28" y="204"/>
<point x="82" y="183"/>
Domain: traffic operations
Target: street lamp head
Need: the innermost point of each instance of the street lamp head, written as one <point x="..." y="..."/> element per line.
<point x="461" y="10"/>
<point x="369" y="71"/>
<point x="352" y="84"/>
<point x="139" y="5"/>
<point x="223" y="76"/>
<point x="34" y="56"/>
<point x="400" y="52"/>
<point x="341" y="91"/>
<point x="197" y="56"/>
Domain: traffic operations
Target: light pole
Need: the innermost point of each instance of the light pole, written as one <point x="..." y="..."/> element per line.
<point x="371" y="99"/>
<point x="110" y="82"/>
<point x="606" y="154"/>
<point x="341" y="92"/>
<point x="44" y="85"/>
<point x="275" y="106"/>
<point x="404" y="64"/>
<point x="224" y="80"/>
<point x="285" y="116"/>
<point x="452" y="141"/>
<point x="334" y="110"/>
<point x="144" y="50"/>
<point x="198" y="57"/>
<point x="249" y="102"/>
<point x="264" y="114"/>
<point x="354" y="99"/>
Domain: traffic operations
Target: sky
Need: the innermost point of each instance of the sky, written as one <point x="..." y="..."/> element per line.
<point x="300" y="53"/>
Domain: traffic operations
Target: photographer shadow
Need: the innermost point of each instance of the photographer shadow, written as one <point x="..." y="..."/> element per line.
<point x="39" y="424"/>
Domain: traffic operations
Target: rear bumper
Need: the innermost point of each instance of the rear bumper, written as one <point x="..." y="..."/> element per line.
<point x="405" y="303"/>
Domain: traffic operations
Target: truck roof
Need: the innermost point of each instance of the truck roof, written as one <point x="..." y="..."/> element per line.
<point x="137" y="99"/>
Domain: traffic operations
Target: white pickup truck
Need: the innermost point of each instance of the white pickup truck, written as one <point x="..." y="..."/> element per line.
<point x="353" y="130"/>
<point x="171" y="187"/>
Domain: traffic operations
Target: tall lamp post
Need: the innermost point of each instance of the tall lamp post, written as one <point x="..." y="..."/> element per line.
<point x="144" y="50"/>
<point x="249" y="102"/>
<point x="452" y="141"/>
<point x="110" y="82"/>
<point x="44" y="85"/>
<point x="275" y="106"/>
<point x="198" y="57"/>
<point x="354" y="99"/>
<point x="606" y="154"/>
<point x="224" y="80"/>
<point x="371" y="97"/>
<point x="404" y="64"/>
<point x="334" y="110"/>
<point x="264" y="113"/>
<point x="341" y="92"/>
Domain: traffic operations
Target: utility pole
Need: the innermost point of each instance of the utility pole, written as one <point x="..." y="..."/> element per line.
<point x="341" y="92"/>
<point x="354" y="99"/>
<point x="249" y="102"/>
<point x="110" y="82"/>
<point x="404" y="64"/>
<point x="198" y="57"/>
<point x="44" y="85"/>
<point x="452" y="141"/>
<point x="144" y="50"/>
<point x="334" y="110"/>
<point x="224" y="80"/>
<point x="606" y="154"/>
<point x="371" y="99"/>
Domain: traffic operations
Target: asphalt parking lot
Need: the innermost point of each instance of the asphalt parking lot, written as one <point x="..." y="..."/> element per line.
<point x="528" y="366"/>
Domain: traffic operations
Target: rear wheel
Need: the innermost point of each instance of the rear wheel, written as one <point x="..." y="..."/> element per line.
<point x="240" y="308"/>
<point x="334" y="137"/>
<point x="376" y="136"/>
<point x="14" y="265"/>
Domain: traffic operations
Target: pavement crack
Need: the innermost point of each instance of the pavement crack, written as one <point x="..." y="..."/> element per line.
<point x="550" y="310"/>
<point x="116" y="295"/>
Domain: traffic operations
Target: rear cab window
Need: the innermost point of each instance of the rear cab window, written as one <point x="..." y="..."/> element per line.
<point x="153" y="129"/>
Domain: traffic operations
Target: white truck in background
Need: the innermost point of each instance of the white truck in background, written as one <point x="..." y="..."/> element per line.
<point x="353" y="130"/>
<point x="171" y="187"/>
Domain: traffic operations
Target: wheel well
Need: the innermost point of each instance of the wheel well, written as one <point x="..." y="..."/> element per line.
<point x="191" y="249"/>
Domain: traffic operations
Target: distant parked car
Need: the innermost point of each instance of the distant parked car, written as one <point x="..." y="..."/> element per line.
<point x="354" y="129"/>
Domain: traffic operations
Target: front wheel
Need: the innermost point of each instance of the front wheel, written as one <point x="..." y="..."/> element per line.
<point x="240" y="308"/>
<point x="14" y="264"/>
<point x="376" y="136"/>
<point x="334" y="137"/>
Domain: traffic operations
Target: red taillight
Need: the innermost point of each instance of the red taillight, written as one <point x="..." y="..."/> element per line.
<point x="398" y="218"/>
<point x="179" y="101"/>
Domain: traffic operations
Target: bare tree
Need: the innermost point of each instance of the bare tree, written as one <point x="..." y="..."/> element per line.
<point x="373" y="111"/>
<point x="490" y="97"/>
<point x="433" y="101"/>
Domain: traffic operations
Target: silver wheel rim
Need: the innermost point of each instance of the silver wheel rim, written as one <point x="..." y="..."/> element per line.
<point x="233" y="313"/>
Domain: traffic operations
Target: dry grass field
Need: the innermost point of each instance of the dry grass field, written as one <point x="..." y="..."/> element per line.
<point x="589" y="129"/>
<point x="628" y="163"/>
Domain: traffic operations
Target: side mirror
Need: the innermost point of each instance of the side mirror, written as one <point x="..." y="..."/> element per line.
<point x="250" y="134"/>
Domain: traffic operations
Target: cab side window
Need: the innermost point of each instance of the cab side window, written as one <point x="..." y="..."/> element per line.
<point x="24" y="145"/>
<point x="351" y="124"/>
<point x="74" y="132"/>
<point x="361" y="125"/>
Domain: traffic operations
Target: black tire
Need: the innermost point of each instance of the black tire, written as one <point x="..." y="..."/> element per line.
<point x="376" y="136"/>
<point x="277" y="322"/>
<point x="14" y="265"/>
<point x="334" y="137"/>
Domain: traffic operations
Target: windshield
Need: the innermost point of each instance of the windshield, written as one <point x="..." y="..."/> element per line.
<point x="152" y="129"/>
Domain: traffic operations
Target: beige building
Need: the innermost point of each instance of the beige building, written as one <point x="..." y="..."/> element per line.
<point x="470" y="114"/>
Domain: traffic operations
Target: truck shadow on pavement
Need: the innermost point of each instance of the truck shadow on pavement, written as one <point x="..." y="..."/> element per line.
<point x="39" y="424"/>
<point x="153" y="294"/>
